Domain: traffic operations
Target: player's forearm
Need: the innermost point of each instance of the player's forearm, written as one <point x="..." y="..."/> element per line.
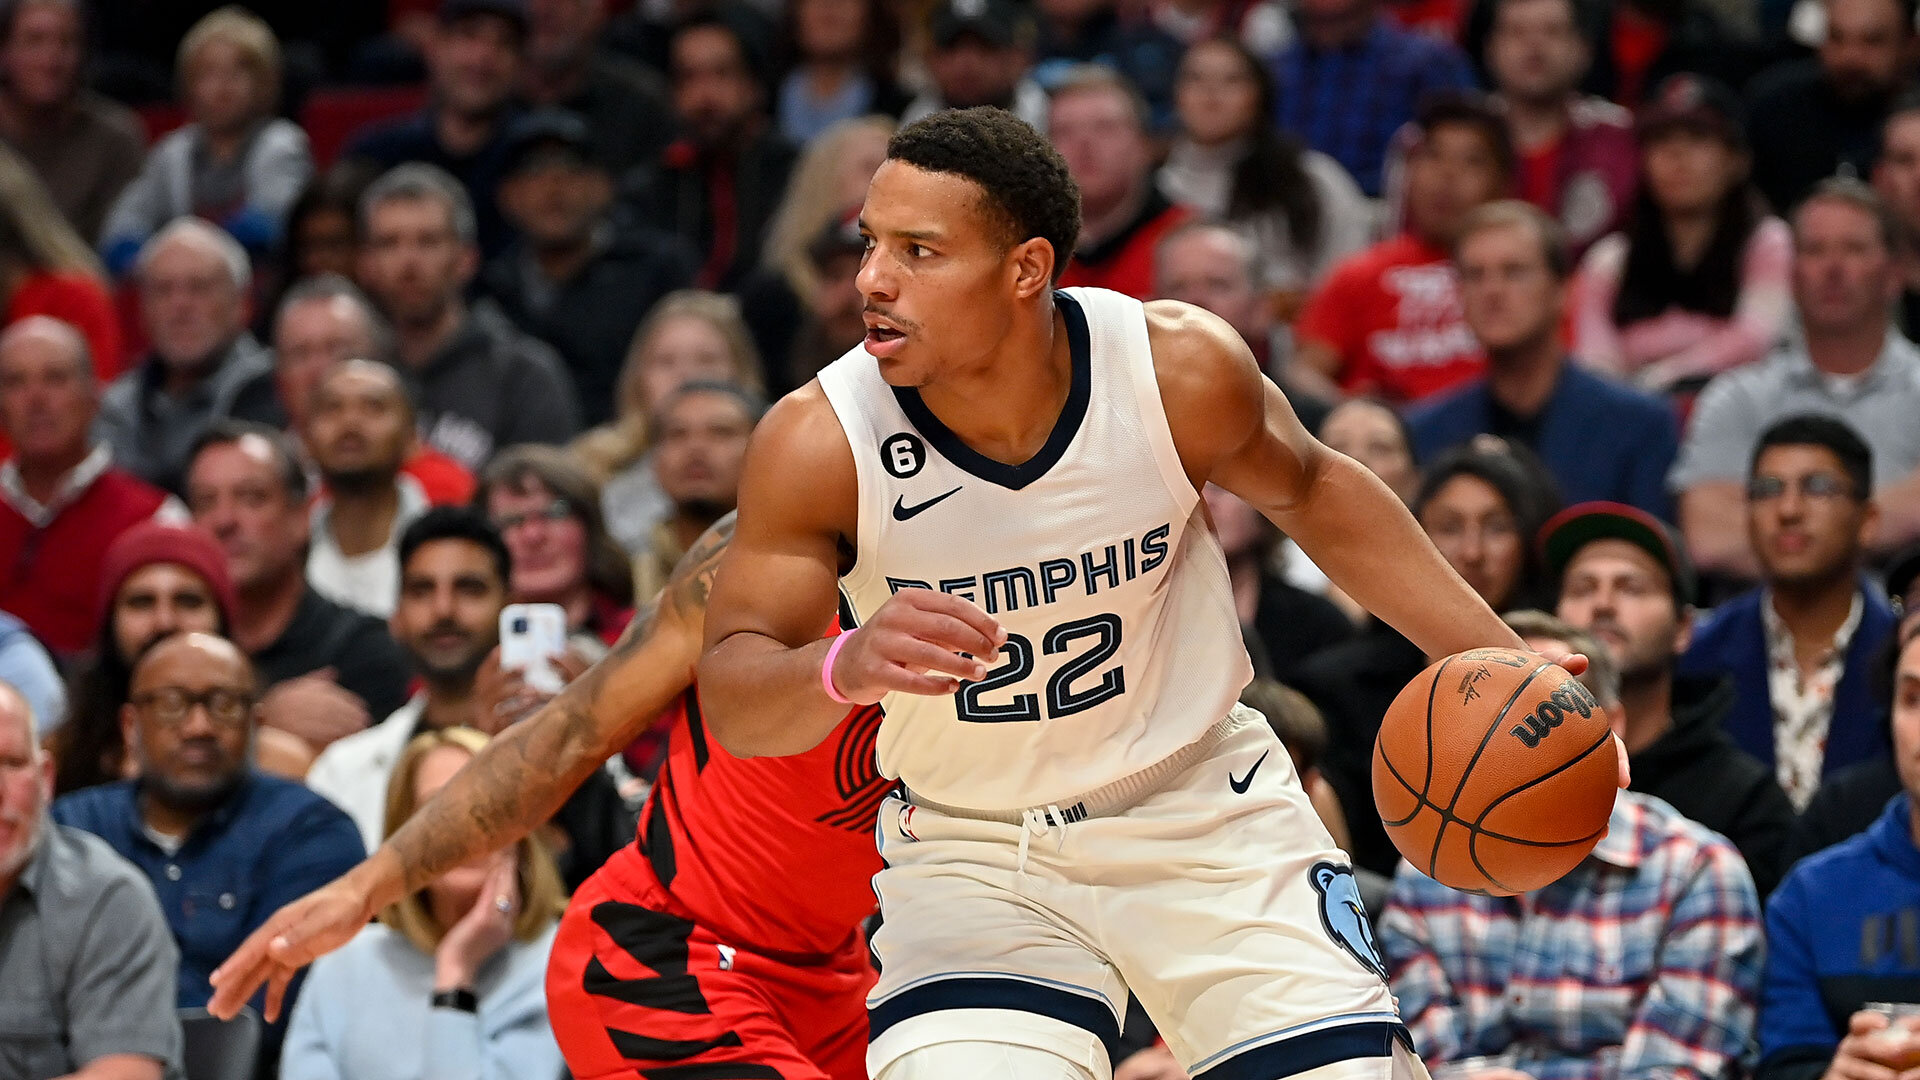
<point x="1359" y="532"/>
<point x="765" y="699"/>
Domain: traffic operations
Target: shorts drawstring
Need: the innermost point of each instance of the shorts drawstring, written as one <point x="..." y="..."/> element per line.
<point x="1039" y="821"/>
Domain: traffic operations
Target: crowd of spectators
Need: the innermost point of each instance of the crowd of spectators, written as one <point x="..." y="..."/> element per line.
<point x="328" y="332"/>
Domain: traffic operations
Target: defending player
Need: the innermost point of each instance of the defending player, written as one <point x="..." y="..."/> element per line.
<point x="1005" y="486"/>
<point x="724" y="942"/>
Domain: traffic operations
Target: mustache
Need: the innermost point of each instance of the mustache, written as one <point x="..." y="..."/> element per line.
<point x="871" y="308"/>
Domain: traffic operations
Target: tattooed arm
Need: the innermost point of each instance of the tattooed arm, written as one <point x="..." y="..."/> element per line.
<point x="513" y="786"/>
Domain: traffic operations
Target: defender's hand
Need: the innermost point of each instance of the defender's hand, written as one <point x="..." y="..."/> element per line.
<point x="913" y="644"/>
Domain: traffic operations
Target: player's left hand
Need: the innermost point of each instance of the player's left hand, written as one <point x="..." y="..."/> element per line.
<point x="1576" y="664"/>
<point x="1153" y="1063"/>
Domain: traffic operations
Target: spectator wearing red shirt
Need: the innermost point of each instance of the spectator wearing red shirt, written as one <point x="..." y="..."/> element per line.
<point x="1387" y="321"/>
<point x="47" y="269"/>
<point x="62" y="503"/>
<point x="1099" y="123"/>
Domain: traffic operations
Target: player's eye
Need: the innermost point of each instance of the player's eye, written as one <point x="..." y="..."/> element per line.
<point x="919" y="251"/>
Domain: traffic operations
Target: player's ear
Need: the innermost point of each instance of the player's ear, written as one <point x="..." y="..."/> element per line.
<point x="1032" y="262"/>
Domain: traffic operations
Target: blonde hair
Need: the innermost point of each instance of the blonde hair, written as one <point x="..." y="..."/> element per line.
<point x="613" y="446"/>
<point x="245" y="31"/>
<point x="814" y="201"/>
<point x="543" y="898"/>
<point x="32" y="230"/>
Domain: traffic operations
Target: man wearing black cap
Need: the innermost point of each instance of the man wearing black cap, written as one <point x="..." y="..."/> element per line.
<point x="981" y="54"/>
<point x="1625" y="579"/>
<point x="717" y="187"/>
<point x="575" y="279"/>
<point x="473" y="66"/>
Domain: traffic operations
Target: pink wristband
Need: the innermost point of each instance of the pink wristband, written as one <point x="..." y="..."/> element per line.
<point x="826" y="668"/>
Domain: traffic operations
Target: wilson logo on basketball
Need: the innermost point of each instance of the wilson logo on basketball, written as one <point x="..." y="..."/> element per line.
<point x="1570" y="697"/>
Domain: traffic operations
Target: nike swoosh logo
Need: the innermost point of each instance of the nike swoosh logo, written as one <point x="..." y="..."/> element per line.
<point x="1240" y="786"/>
<point x="903" y="512"/>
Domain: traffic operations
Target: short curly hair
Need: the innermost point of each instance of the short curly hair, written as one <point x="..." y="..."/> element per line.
<point x="1028" y="189"/>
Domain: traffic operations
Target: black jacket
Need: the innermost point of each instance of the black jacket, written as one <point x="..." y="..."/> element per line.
<point x="1698" y="769"/>
<point x="1848" y="802"/>
<point x="720" y="207"/>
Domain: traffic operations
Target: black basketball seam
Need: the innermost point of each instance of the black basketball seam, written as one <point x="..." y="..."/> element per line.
<point x="1418" y="800"/>
<point x="1543" y="777"/>
<point x="1524" y="842"/>
<point x="1433" y="688"/>
<point x="1492" y="729"/>
<point x="1475" y="830"/>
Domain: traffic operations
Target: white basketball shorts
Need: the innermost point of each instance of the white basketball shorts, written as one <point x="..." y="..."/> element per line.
<point x="1206" y="885"/>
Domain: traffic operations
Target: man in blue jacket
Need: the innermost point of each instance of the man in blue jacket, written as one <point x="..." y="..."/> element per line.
<point x="1602" y="440"/>
<point x="1800" y="648"/>
<point x="1844" y="930"/>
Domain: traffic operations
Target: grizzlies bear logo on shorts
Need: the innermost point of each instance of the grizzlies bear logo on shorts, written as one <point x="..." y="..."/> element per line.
<point x="1344" y="916"/>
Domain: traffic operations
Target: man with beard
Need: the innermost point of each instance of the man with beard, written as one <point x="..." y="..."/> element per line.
<point x="1625" y="579"/>
<point x="454" y="570"/>
<point x="359" y="432"/>
<point x="86" y="957"/>
<point x="980" y="52"/>
<point x="704" y="427"/>
<point x="223" y="845"/>
<point x="1823" y="113"/>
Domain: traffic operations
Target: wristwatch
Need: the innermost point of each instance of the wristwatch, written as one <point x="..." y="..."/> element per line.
<point x="461" y="999"/>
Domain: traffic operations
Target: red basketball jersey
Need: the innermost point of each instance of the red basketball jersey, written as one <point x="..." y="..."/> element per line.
<point x="773" y="853"/>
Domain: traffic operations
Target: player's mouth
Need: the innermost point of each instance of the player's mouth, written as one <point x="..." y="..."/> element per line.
<point x="883" y="339"/>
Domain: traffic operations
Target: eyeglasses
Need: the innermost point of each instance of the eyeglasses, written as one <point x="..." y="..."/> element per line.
<point x="557" y="510"/>
<point x="171" y="705"/>
<point x="1813" y="486"/>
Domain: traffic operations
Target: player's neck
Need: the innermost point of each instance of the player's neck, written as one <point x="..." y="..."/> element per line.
<point x="1005" y="405"/>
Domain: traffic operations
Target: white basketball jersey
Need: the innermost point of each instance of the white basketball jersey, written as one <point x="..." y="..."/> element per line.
<point x="1123" y="644"/>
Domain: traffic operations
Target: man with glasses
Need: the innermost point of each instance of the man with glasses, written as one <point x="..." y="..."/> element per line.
<point x="1848" y="360"/>
<point x="223" y="845"/>
<point x="1800" y="648"/>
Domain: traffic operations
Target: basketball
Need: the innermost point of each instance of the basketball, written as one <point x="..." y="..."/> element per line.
<point x="1495" y="772"/>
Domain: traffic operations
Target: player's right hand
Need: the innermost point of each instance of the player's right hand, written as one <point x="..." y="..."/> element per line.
<point x="914" y="644"/>
<point x="295" y="936"/>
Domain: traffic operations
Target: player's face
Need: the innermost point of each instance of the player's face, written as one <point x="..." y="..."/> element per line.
<point x="1475" y="529"/>
<point x="938" y="284"/>
<point x="448" y="614"/>
<point x="1618" y="593"/>
<point x="1906" y="716"/>
<point x="1807" y="523"/>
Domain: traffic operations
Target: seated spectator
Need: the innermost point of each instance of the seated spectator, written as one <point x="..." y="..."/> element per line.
<point x="1643" y="961"/>
<point x="548" y="511"/>
<point x="155" y="580"/>
<point x="46" y="269"/>
<point x="1387" y="321"/>
<point x="474" y="57"/>
<point x="1513" y="264"/>
<point x="1698" y="282"/>
<point x="453" y="587"/>
<point x="1576" y="151"/>
<point x="1896" y="178"/>
<point x="702" y="442"/>
<point x="842" y="63"/>
<point x="478" y="935"/>
<point x="1625" y="579"/>
<point x="324" y="669"/>
<point x="980" y="52"/>
<point x="62" y="500"/>
<point x="224" y="846"/>
<point x="89" y="967"/>
<point x="1823" y="113"/>
<point x="481" y="383"/>
<point x="321" y="225"/>
<point x="234" y="163"/>
<point x="718" y="186"/>
<point x="1479" y="504"/>
<point x="1376" y="436"/>
<point x="1847" y="361"/>
<point x="1352" y="78"/>
<point x="84" y="146"/>
<point x="574" y="280"/>
<point x="1799" y="647"/>
<point x="1282" y="624"/>
<point x="1298" y="207"/>
<point x="688" y="337"/>
<point x="324" y="322"/>
<point x="828" y="184"/>
<point x="832" y="319"/>
<point x="193" y="280"/>
<point x="624" y="103"/>
<point x="359" y="432"/>
<point x="1099" y="125"/>
<point x="1075" y="32"/>
<point x="1837" y="933"/>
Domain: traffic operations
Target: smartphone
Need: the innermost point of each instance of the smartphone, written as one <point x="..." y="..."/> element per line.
<point x="531" y="635"/>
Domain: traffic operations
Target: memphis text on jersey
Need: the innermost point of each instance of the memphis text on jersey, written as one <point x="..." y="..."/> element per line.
<point x="1020" y="587"/>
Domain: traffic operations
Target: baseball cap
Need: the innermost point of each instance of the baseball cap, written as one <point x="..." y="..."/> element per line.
<point x="999" y="22"/>
<point x="543" y="128"/>
<point x="1695" y="103"/>
<point x="1564" y="534"/>
<point x="514" y="11"/>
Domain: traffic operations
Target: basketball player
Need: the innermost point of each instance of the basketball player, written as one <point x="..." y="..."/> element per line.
<point x="1004" y="483"/>
<point x="724" y="942"/>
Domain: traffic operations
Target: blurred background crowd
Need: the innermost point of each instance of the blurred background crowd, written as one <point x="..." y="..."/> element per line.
<point x="332" y="329"/>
